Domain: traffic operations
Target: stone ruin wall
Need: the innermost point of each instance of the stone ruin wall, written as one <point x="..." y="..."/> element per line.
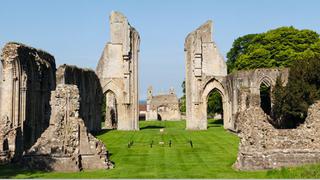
<point x="67" y="144"/>
<point x="28" y="77"/>
<point x="118" y="72"/>
<point x="90" y="92"/>
<point x="243" y="88"/>
<point x="264" y="147"/>
<point x="163" y="106"/>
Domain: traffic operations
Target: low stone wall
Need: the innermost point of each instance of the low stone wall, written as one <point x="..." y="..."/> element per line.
<point x="90" y="92"/>
<point x="67" y="145"/>
<point x="264" y="147"/>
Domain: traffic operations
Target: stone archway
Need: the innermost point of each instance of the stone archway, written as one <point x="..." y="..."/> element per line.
<point x="265" y="85"/>
<point x="208" y="88"/>
<point x="162" y="112"/>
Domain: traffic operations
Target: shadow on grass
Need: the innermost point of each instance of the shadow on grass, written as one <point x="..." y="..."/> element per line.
<point x="12" y="170"/>
<point x="218" y="121"/>
<point x="215" y="123"/>
<point x="152" y="127"/>
<point x="102" y="131"/>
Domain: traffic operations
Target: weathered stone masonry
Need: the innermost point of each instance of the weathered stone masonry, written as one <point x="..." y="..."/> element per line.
<point x="28" y="77"/>
<point x="205" y="69"/>
<point x="261" y="145"/>
<point x="90" y="92"/>
<point x="67" y="145"/>
<point x="264" y="147"/>
<point x="118" y="73"/>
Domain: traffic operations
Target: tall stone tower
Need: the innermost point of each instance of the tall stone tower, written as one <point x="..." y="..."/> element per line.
<point x="118" y="71"/>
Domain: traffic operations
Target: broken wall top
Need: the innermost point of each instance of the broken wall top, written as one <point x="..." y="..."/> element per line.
<point x="203" y="54"/>
<point x="121" y="31"/>
<point x="12" y="50"/>
<point x="124" y="45"/>
<point x="201" y="34"/>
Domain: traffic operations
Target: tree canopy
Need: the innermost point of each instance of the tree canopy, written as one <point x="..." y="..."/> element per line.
<point x="275" y="48"/>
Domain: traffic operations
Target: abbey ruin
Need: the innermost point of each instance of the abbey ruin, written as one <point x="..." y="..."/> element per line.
<point x="206" y="70"/>
<point x="261" y="145"/>
<point x="47" y="114"/>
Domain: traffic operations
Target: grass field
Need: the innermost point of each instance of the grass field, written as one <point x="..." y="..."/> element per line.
<point x="212" y="155"/>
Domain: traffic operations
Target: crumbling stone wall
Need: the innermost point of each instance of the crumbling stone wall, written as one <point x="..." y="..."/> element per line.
<point x="163" y="106"/>
<point x="264" y="147"/>
<point x="90" y="92"/>
<point x="28" y="77"/>
<point x="243" y="88"/>
<point x="67" y="144"/>
<point x="118" y="72"/>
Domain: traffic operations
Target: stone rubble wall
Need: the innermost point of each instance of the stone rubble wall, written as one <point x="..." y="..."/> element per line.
<point x="90" y="92"/>
<point x="264" y="147"/>
<point x="28" y="77"/>
<point x="67" y="144"/>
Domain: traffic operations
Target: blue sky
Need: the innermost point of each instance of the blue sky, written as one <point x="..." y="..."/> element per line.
<point x="75" y="31"/>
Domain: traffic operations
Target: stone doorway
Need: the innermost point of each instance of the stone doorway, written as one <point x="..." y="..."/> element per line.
<point x="214" y="87"/>
<point x="214" y="108"/>
<point x="265" y="97"/>
<point x="111" y="110"/>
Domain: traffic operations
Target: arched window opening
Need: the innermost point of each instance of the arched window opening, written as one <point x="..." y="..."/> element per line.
<point x="5" y="145"/>
<point x="265" y="98"/>
<point x="109" y="110"/>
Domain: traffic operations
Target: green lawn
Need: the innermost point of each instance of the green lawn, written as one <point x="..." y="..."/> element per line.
<point x="213" y="153"/>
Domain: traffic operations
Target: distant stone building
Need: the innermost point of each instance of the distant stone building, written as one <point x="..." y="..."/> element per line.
<point x="163" y="106"/>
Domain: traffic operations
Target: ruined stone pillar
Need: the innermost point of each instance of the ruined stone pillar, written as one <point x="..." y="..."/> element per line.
<point x="204" y="64"/>
<point x="118" y="71"/>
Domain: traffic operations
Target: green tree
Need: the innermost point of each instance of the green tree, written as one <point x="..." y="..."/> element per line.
<point x="182" y="100"/>
<point x="214" y="105"/>
<point x="278" y="95"/>
<point x="275" y="48"/>
<point x="302" y="90"/>
<point x="239" y="47"/>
